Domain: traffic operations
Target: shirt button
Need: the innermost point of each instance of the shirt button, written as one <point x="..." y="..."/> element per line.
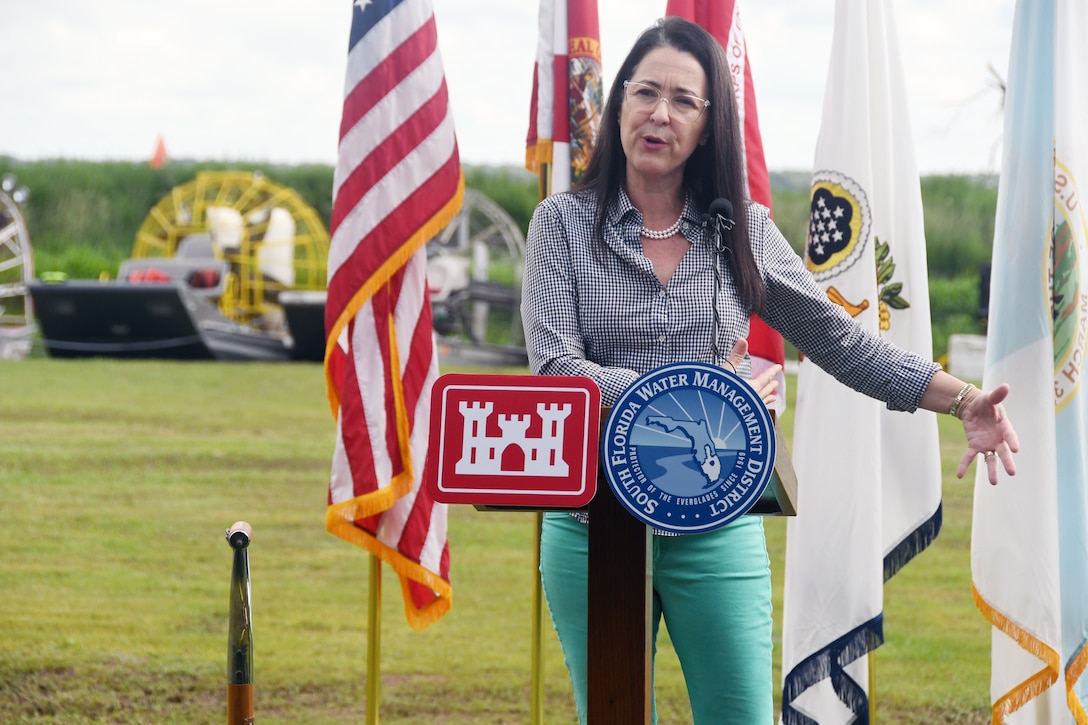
<point x="661" y="339"/>
<point x="661" y="293"/>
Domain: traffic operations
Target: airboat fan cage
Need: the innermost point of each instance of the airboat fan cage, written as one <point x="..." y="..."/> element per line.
<point x="16" y="272"/>
<point x="272" y="240"/>
<point x="474" y="272"/>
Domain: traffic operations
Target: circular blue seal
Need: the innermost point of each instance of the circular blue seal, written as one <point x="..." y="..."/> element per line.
<point x="688" y="447"/>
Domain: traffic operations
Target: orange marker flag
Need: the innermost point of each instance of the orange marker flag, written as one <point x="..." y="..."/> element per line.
<point x="159" y="158"/>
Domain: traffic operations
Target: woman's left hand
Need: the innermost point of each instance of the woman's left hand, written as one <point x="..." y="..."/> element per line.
<point x="766" y="383"/>
<point x="989" y="432"/>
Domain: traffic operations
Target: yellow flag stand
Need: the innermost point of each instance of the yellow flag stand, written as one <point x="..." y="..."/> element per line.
<point x="536" y="704"/>
<point x="536" y="708"/>
<point x="374" y="641"/>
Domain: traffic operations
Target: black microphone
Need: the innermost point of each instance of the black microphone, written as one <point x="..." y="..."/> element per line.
<point x="720" y="220"/>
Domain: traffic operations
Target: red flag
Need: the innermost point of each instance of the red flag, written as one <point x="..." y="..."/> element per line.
<point x="398" y="181"/>
<point x="721" y="18"/>
<point x="568" y="91"/>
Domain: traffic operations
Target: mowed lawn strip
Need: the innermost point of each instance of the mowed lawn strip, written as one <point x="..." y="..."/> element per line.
<point x="118" y="480"/>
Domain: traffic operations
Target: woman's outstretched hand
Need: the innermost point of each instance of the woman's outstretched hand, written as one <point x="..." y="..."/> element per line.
<point x="766" y="383"/>
<point x="989" y="432"/>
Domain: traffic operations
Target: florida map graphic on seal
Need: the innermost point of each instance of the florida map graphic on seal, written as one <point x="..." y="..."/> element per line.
<point x="688" y="448"/>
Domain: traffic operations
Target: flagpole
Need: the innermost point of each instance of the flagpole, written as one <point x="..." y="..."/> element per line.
<point x="545" y="181"/>
<point x="872" y="687"/>
<point x="536" y="706"/>
<point x="374" y="641"/>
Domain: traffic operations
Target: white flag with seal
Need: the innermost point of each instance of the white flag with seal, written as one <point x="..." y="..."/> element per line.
<point x="1029" y="553"/>
<point x="869" y="479"/>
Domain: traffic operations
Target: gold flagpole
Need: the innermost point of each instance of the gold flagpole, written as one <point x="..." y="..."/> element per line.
<point x="536" y="706"/>
<point x="545" y="181"/>
<point x="374" y="642"/>
<point x="872" y="687"/>
<point x="537" y="703"/>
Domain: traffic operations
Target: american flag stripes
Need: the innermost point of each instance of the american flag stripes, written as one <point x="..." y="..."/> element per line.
<point x="398" y="181"/>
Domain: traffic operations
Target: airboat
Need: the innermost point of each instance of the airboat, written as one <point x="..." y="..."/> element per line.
<point x="207" y="266"/>
<point x="232" y="266"/>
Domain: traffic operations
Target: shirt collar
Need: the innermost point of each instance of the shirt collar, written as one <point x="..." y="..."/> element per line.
<point x="619" y="209"/>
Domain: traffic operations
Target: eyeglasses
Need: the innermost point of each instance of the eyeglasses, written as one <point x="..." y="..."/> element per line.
<point x="683" y="107"/>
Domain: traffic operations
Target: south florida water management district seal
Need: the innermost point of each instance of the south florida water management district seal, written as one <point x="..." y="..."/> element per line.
<point x="688" y="447"/>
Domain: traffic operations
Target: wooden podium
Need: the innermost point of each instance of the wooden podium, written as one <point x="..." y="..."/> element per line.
<point x="619" y="663"/>
<point x="619" y="686"/>
<point x="620" y="607"/>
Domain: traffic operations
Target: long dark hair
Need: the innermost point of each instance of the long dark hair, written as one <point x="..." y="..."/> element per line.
<point x="715" y="170"/>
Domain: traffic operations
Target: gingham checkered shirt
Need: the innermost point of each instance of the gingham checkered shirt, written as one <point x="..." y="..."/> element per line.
<point x="602" y="312"/>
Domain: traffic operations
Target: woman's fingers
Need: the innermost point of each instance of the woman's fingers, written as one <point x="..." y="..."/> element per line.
<point x="766" y="384"/>
<point x="736" y="355"/>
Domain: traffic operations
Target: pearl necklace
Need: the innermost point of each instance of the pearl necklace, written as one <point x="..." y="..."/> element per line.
<point x="666" y="233"/>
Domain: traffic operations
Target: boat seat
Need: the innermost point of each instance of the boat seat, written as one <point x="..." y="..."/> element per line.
<point x="205" y="277"/>
<point x="196" y="246"/>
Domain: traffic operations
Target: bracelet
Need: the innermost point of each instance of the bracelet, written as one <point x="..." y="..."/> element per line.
<point x="959" y="400"/>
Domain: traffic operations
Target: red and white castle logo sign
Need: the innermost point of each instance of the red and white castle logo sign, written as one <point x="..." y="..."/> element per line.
<point x="541" y="456"/>
<point x="514" y="440"/>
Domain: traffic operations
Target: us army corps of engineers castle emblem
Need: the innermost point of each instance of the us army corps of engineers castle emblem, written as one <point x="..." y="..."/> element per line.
<point x="688" y="448"/>
<point x="521" y="441"/>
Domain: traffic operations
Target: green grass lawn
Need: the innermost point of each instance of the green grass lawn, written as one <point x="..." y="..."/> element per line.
<point x="118" y="480"/>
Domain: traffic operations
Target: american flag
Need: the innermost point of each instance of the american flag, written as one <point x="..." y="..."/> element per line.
<point x="398" y="181"/>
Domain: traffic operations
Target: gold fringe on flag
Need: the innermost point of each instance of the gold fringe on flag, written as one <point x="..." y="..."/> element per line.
<point x="1033" y="686"/>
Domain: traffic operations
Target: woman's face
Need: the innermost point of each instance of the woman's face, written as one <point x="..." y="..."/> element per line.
<point x="656" y="143"/>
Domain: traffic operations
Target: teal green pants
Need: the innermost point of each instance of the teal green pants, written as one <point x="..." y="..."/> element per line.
<point x="713" y="591"/>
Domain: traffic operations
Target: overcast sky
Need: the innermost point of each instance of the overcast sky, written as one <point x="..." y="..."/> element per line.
<point x="252" y="80"/>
